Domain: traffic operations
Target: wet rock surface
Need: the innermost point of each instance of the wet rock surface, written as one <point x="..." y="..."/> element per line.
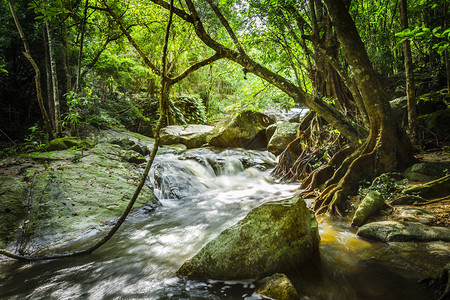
<point x="273" y="237"/>
<point x="61" y="196"/>
<point x="403" y="231"/>
<point x="277" y="286"/>
<point x="243" y="130"/>
<point x="193" y="136"/>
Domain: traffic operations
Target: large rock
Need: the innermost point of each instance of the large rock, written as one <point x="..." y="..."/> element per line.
<point x="428" y="171"/>
<point x="285" y="133"/>
<point x="373" y="202"/>
<point x="70" y="194"/>
<point x="399" y="108"/>
<point x="277" y="286"/>
<point x="273" y="237"/>
<point x="438" y="122"/>
<point x="12" y="206"/>
<point x="68" y="142"/>
<point x="401" y="231"/>
<point x="243" y="130"/>
<point x="193" y="136"/>
<point x="426" y="104"/>
<point x="431" y="102"/>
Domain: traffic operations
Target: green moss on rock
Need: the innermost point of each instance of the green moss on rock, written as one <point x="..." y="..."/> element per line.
<point x="273" y="237"/>
<point x="67" y="143"/>
<point x="369" y="205"/>
<point x="12" y="206"/>
<point x="277" y="286"/>
<point x="244" y="130"/>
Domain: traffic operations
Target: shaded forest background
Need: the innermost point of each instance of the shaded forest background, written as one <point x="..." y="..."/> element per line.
<point x="93" y="73"/>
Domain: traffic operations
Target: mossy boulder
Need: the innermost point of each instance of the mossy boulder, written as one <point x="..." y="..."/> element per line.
<point x="270" y="130"/>
<point x="423" y="172"/>
<point x="438" y="122"/>
<point x="67" y="199"/>
<point x="133" y="157"/>
<point x="273" y="237"/>
<point x="12" y="207"/>
<point x="399" y="108"/>
<point x="242" y="130"/>
<point x="285" y="133"/>
<point x="433" y="189"/>
<point x="277" y="286"/>
<point x="426" y="104"/>
<point x="67" y="143"/>
<point x="432" y="102"/>
<point x="401" y="231"/>
<point x="193" y="136"/>
<point x="372" y="203"/>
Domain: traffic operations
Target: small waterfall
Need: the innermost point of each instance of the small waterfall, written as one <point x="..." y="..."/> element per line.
<point x="199" y="170"/>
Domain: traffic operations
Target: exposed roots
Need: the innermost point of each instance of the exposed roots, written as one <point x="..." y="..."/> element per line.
<point x="331" y="200"/>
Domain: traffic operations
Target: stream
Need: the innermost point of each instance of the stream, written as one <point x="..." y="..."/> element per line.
<point x="202" y="193"/>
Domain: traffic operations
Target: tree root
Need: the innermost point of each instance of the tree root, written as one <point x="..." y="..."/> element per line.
<point x="336" y="194"/>
<point x="433" y="189"/>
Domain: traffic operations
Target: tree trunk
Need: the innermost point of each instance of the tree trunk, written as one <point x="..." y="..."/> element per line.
<point x="80" y="54"/>
<point x="57" y="116"/>
<point x="387" y="148"/>
<point x="50" y="100"/>
<point x="447" y="62"/>
<point x="37" y="77"/>
<point x="410" y="86"/>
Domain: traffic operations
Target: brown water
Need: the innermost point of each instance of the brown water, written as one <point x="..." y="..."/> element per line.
<point x="140" y="261"/>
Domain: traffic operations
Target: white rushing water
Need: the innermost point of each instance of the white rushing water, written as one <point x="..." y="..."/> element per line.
<point x="201" y="194"/>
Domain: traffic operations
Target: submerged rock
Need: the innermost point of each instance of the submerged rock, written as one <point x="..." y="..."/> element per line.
<point x="277" y="286"/>
<point x="285" y="133"/>
<point x="193" y="136"/>
<point x="244" y="130"/>
<point x="401" y="231"/>
<point x="373" y="202"/>
<point x="273" y="237"/>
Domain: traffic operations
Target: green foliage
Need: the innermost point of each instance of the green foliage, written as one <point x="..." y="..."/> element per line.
<point x="438" y="37"/>
<point x="2" y="66"/>
<point x="83" y="110"/>
<point x="46" y="11"/>
<point x="388" y="184"/>
<point x="187" y="110"/>
<point x="36" y="140"/>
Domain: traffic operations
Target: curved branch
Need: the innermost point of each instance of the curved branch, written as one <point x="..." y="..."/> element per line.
<point x="195" y="67"/>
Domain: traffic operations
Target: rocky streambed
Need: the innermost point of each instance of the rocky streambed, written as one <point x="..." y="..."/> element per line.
<point x="196" y="204"/>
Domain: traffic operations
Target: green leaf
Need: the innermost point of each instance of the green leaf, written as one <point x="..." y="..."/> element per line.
<point x="443" y="48"/>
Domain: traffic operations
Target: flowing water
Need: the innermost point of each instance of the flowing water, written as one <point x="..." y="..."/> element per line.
<point x="202" y="193"/>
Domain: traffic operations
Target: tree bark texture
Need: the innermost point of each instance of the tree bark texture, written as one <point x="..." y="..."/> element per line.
<point x="54" y="76"/>
<point x="387" y="148"/>
<point x="410" y="86"/>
